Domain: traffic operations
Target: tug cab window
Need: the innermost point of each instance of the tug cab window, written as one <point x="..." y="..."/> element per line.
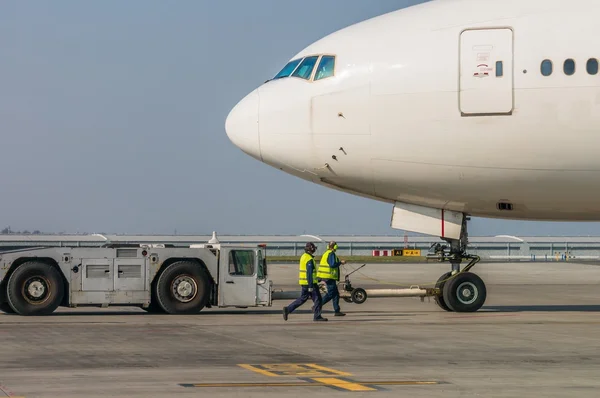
<point x="326" y="67"/>
<point x="261" y="266"/>
<point x="241" y="262"/>
<point x="288" y="69"/>
<point x="304" y="71"/>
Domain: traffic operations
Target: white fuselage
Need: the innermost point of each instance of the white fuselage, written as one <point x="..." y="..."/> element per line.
<point x="445" y="105"/>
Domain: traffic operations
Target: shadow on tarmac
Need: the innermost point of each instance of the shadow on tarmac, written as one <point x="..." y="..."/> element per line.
<point x="329" y="313"/>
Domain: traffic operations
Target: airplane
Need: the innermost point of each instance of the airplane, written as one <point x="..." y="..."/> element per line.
<point x="448" y="109"/>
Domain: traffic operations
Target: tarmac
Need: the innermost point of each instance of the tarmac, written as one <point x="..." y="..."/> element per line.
<point x="537" y="336"/>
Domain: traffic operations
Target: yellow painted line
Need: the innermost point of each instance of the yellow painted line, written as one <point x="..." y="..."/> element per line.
<point x="318" y="382"/>
<point x="257" y="370"/>
<point x="401" y="383"/>
<point x="343" y="384"/>
<point x="293" y="369"/>
<point x="323" y="368"/>
<point x="205" y="385"/>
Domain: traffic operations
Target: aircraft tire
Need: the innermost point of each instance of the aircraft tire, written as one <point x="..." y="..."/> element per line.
<point x="439" y="300"/>
<point x="466" y="292"/>
<point x="183" y="288"/>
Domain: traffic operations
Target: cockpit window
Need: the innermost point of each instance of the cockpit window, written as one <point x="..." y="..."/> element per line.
<point x="305" y="69"/>
<point x="326" y="67"/>
<point x="288" y="69"/>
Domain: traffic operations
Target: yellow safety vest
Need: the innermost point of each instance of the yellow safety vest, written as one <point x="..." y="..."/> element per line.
<point x="325" y="271"/>
<point x="303" y="263"/>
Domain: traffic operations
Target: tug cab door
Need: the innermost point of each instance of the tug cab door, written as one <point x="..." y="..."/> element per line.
<point x="240" y="272"/>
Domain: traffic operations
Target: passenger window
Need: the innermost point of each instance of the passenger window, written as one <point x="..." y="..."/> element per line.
<point x="499" y="69"/>
<point x="241" y="262"/>
<point x="569" y="67"/>
<point x="288" y="69"/>
<point x="305" y="69"/>
<point x="326" y="67"/>
<point x="592" y="66"/>
<point x="546" y="68"/>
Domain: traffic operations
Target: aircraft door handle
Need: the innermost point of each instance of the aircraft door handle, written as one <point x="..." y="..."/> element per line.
<point x="230" y="282"/>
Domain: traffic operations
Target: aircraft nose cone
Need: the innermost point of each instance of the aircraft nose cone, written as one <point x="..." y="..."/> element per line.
<point x="241" y="125"/>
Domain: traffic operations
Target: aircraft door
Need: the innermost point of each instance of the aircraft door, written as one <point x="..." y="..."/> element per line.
<point x="486" y="72"/>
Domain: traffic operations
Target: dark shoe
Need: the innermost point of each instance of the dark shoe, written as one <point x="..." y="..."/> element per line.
<point x="285" y="313"/>
<point x="339" y="314"/>
<point x="321" y="319"/>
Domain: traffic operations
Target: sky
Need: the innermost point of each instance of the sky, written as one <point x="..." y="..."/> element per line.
<point x="112" y="118"/>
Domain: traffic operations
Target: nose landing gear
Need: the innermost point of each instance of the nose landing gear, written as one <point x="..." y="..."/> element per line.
<point x="455" y="291"/>
<point x="458" y="291"/>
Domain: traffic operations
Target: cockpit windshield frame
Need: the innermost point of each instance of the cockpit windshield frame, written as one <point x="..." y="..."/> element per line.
<point x="296" y="63"/>
<point x="285" y="72"/>
<point x="311" y="59"/>
<point x="322" y="59"/>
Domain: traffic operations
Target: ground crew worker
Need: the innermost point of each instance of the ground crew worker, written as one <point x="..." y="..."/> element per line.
<point x="329" y="272"/>
<point x="308" y="281"/>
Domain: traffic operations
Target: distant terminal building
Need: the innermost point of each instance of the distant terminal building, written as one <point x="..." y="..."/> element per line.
<point x="498" y="247"/>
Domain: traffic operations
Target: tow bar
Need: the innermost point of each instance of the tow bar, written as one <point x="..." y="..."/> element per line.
<point x="358" y="295"/>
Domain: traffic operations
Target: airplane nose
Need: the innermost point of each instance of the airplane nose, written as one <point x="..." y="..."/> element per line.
<point x="241" y="125"/>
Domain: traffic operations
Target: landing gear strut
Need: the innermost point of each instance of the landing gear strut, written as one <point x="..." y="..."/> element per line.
<point x="458" y="291"/>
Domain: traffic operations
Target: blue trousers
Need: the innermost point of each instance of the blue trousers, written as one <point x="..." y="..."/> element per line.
<point x="332" y="294"/>
<point x="316" y="298"/>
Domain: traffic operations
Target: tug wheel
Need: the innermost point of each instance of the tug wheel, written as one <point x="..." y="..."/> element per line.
<point x="6" y="308"/>
<point x="35" y="288"/>
<point x="183" y="288"/>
